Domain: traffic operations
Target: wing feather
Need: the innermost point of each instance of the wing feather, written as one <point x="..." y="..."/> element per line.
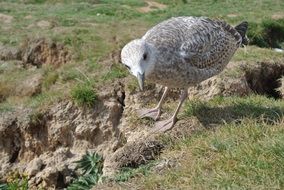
<point x="207" y="44"/>
<point x="198" y="41"/>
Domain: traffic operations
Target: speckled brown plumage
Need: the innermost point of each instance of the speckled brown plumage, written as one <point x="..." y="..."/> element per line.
<point x="191" y="49"/>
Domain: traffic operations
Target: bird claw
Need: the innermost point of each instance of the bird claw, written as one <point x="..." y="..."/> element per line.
<point x="149" y="113"/>
<point x="165" y="125"/>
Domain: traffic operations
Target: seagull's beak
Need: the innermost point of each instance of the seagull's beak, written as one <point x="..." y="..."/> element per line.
<point x="141" y="78"/>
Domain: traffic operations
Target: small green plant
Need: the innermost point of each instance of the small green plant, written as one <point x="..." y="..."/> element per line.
<point x="3" y="186"/>
<point x="91" y="166"/>
<point x="84" y="94"/>
<point x="36" y="118"/>
<point x="16" y="181"/>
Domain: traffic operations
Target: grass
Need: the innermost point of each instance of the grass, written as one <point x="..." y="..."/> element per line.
<point x="245" y="155"/>
<point x="50" y="78"/>
<point x="116" y="71"/>
<point x="221" y="110"/>
<point x="84" y="94"/>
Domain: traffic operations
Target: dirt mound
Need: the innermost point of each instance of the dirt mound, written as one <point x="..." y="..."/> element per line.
<point x="261" y="78"/>
<point x="42" y="51"/>
<point x="223" y="84"/>
<point x="220" y="86"/>
<point x="37" y="52"/>
<point x="133" y="154"/>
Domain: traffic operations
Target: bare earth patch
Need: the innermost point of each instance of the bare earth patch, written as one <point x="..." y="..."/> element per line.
<point x="277" y="16"/>
<point x="232" y="15"/>
<point x="42" y="51"/>
<point x="152" y="6"/>
<point x="37" y="52"/>
<point x="30" y="87"/>
<point x="43" y="24"/>
<point x="5" y="18"/>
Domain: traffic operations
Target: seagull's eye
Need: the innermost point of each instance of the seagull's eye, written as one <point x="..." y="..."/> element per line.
<point x="144" y="56"/>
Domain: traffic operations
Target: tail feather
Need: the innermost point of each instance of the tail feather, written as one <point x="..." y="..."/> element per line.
<point x="242" y="29"/>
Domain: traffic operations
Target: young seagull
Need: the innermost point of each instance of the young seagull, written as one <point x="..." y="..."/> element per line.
<point x="179" y="53"/>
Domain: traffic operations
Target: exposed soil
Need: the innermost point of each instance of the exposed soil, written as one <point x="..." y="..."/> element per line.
<point x="152" y="6"/>
<point x="277" y="16"/>
<point x="43" y="24"/>
<point x="42" y="51"/>
<point x="7" y="19"/>
<point x="37" y="52"/>
<point x="9" y="53"/>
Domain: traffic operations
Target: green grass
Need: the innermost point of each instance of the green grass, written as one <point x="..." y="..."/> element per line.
<point x="116" y="71"/>
<point x="221" y="110"/>
<point x="243" y="155"/>
<point x="50" y="78"/>
<point x="84" y="94"/>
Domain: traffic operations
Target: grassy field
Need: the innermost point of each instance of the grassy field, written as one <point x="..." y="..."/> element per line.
<point x="244" y="150"/>
<point x="241" y="147"/>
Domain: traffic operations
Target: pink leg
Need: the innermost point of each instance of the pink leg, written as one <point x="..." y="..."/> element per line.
<point x="153" y="113"/>
<point x="165" y="125"/>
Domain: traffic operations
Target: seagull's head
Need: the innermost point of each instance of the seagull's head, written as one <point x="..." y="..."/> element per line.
<point x="139" y="57"/>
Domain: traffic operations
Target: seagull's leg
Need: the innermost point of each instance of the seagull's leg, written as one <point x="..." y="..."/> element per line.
<point x="165" y="125"/>
<point x="153" y="113"/>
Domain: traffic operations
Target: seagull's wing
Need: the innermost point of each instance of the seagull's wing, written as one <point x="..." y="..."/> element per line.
<point x="194" y="41"/>
<point x="209" y="42"/>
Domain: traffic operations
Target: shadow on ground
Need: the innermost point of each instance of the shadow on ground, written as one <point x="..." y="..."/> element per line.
<point x="211" y="116"/>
